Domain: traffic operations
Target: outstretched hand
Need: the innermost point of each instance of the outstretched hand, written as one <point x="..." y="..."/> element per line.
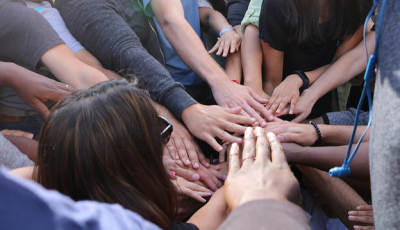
<point x="232" y="95"/>
<point x="262" y="171"/>
<point x="363" y="214"/>
<point x="302" y="134"/>
<point x="35" y="90"/>
<point x="286" y="93"/>
<point x="229" y="42"/>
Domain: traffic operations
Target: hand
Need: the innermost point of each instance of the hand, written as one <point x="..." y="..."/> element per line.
<point x="304" y="106"/>
<point x="303" y="134"/>
<point x="363" y="214"/>
<point x="207" y="122"/>
<point x="232" y="95"/>
<point x="35" y="89"/>
<point x="229" y="42"/>
<point x="191" y="189"/>
<point x="183" y="146"/>
<point x="17" y="133"/>
<point x="264" y="173"/>
<point x="287" y="92"/>
<point x="172" y="165"/>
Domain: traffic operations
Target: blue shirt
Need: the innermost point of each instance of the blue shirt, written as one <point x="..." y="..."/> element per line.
<point x="176" y="67"/>
<point x="27" y="205"/>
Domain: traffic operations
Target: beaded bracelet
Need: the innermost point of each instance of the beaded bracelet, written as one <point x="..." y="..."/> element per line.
<point x="318" y="132"/>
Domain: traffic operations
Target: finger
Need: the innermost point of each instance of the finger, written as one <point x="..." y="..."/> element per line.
<point x="218" y="174"/>
<point x="364" y="208"/>
<point x="187" y="174"/>
<point x="222" y="157"/>
<point x="249" y="148"/>
<point x="288" y="137"/>
<point x="192" y="194"/>
<point x="234" y="162"/>
<point x="192" y="153"/>
<point x="220" y="48"/>
<point x="225" y="136"/>
<point x="183" y="155"/>
<point x="293" y="104"/>
<point x="300" y="118"/>
<point x="198" y="188"/>
<point x="214" y="48"/>
<point x="212" y="142"/>
<point x="282" y="105"/>
<point x="362" y="219"/>
<point x="277" y="152"/>
<point x="359" y="227"/>
<point x="41" y="108"/>
<point x="171" y="149"/>
<point x="207" y="180"/>
<point x="255" y="115"/>
<point x="263" y="150"/>
<point x="226" y="49"/>
<point x="17" y="133"/>
<point x="203" y="160"/>
<point x="258" y="98"/>
<point x="360" y="213"/>
<point x="234" y="45"/>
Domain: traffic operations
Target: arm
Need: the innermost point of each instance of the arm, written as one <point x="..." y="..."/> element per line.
<point x="325" y="158"/>
<point x="27" y="146"/>
<point x="346" y="67"/>
<point x="190" y="49"/>
<point x="87" y="58"/>
<point x="306" y="135"/>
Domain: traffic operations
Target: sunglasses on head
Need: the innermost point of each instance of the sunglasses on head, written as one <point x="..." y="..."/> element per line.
<point x="166" y="133"/>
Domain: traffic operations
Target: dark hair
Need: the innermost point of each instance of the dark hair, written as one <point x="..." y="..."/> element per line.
<point x="342" y="19"/>
<point x="104" y="144"/>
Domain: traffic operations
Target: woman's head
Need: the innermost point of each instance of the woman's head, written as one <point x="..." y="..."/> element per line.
<point x="104" y="144"/>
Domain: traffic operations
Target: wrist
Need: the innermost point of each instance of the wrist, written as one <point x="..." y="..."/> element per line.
<point x="228" y="28"/>
<point x="295" y="80"/>
<point x="188" y="112"/>
<point x="304" y="78"/>
<point x="259" y="194"/>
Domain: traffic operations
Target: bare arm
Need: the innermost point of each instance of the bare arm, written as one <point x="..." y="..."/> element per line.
<point x="27" y="146"/>
<point x="325" y="158"/>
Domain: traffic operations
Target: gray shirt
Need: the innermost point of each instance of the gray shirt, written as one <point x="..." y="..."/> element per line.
<point x="10" y="156"/>
<point x="385" y="142"/>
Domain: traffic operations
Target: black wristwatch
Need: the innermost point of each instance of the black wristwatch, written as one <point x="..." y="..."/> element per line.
<point x="303" y="76"/>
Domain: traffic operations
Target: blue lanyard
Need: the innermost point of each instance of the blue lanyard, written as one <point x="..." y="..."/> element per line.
<point x="344" y="170"/>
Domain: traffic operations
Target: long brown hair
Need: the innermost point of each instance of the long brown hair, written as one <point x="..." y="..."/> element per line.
<point x="104" y="144"/>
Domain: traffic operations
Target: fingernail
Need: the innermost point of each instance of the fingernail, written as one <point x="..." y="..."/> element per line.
<point x="290" y="112"/>
<point x="205" y="193"/>
<point x="196" y="165"/>
<point x="281" y="139"/>
<point x="238" y="140"/>
<point x="277" y="111"/>
<point x="270" y="118"/>
<point x="203" y="200"/>
<point x="263" y="124"/>
<point x="351" y="213"/>
<point x="176" y="157"/>
<point x="351" y="218"/>
<point x="259" y="131"/>
<point x="195" y="176"/>
<point x="30" y="136"/>
<point x="221" y="160"/>
<point x="187" y="162"/>
<point x="224" y="177"/>
<point x="219" y="149"/>
<point x="356" y="227"/>
<point x="207" y="164"/>
<point x="252" y="120"/>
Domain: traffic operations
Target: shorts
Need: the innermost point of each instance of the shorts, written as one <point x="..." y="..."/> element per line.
<point x="346" y="117"/>
<point x="252" y="15"/>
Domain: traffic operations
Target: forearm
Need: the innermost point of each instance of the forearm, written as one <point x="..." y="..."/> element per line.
<point x="27" y="146"/>
<point x="325" y="158"/>
<point x="87" y="58"/>
<point x="340" y="134"/>
<point x="213" y="19"/>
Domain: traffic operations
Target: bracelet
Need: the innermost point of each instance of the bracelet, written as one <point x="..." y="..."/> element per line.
<point x="224" y="30"/>
<point x="236" y="81"/>
<point x="304" y="78"/>
<point x="318" y="132"/>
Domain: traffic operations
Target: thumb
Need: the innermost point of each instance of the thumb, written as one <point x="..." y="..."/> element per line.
<point x="235" y="110"/>
<point x="300" y="117"/>
<point x="286" y="137"/>
<point x="41" y="108"/>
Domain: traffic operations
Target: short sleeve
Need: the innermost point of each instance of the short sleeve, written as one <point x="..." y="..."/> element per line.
<point x="204" y="3"/>
<point x="272" y="30"/>
<point x="236" y="11"/>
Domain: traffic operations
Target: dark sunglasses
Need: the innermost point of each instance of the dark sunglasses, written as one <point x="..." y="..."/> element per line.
<point x="166" y="133"/>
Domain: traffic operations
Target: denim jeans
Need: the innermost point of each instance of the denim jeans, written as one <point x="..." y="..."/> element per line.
<point x="31" y="124"/>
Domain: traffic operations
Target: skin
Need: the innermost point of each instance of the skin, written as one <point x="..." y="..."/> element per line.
<point x="364" y="215"/>
<point x="32" y="88"/>
<point x="270" y="172"/>
<point x="189" y="47"/>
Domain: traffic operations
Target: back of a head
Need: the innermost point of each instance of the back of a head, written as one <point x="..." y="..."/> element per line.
<point x="104" y="144"/>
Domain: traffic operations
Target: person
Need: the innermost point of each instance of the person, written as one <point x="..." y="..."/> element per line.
<point x="266" y="204"/>
<point x="298" y="47"/>
<point x="128" y="42"/>
<point x="43" y="48"/>
<point x="384" y="144"/>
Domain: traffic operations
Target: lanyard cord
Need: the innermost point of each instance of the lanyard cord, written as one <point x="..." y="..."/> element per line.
<point x="344" y="170"/>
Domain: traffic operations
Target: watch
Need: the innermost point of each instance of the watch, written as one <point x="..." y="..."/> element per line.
<point x="303" y="76"/>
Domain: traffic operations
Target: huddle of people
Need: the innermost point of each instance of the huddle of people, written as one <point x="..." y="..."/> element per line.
<point x="119" y="107"/>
